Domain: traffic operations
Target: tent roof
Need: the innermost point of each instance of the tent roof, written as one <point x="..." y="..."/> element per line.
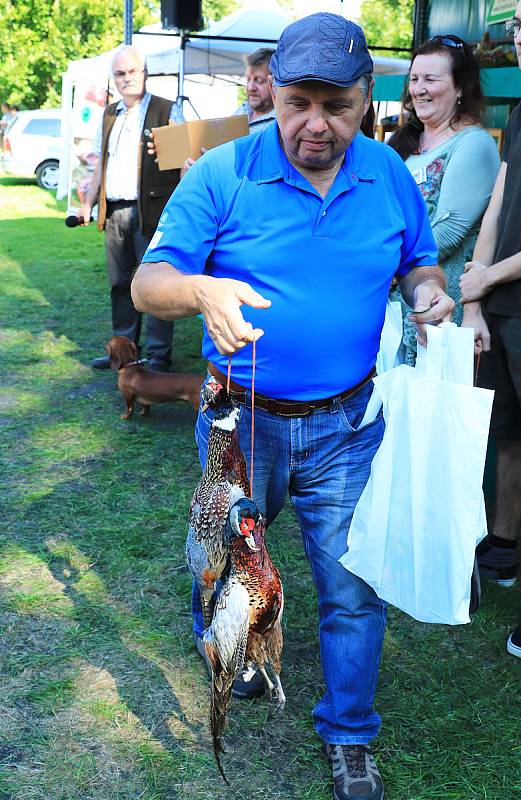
<point x="225" y="57"/>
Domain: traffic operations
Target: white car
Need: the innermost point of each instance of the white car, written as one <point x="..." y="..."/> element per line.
<point x="32" y="145"/>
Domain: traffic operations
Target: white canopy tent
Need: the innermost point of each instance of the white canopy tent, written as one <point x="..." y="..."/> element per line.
<point x="238" y="34"/>
<point x="225" y="56"/>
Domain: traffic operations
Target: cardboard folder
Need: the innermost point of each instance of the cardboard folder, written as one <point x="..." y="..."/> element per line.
<point x="175" y="143"/>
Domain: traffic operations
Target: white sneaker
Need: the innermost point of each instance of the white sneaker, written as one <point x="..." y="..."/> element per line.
<point x="514" y="642"/>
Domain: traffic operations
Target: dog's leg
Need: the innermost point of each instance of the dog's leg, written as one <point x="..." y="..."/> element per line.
<point x="195" y="400"/>
<point x="193" y="393"/>
<point x="145" y="410"/>
<point x="129" y="400"/>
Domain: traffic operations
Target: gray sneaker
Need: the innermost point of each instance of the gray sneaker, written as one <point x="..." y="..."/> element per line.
<point x="355" y="773"/>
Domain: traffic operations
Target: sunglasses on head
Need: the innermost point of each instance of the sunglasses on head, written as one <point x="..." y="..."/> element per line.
<point x="446" y="41"/>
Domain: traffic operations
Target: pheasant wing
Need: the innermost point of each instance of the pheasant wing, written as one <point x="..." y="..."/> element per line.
<point x="209" y="510"/>
<point x="226" y="638"/>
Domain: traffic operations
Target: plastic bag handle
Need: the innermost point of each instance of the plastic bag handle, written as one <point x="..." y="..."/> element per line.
<point x="429" y="360"/>
<point x="449" y="354"/>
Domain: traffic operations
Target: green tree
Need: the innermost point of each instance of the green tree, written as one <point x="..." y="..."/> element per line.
<point x="217" y="9"/>
<point x="388" y="23"/>
<point x="38" y="38"/>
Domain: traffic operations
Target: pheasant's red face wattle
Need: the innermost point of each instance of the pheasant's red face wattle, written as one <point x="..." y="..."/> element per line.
<point x="247" y="525"/>
<point x="215" y="387"/>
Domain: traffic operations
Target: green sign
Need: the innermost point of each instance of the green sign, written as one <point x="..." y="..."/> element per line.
<point x="500" y="10"/>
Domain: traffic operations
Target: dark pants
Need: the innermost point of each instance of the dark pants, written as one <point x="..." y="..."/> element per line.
<point x="501" y="370"/>
<point x="125" y="246"/>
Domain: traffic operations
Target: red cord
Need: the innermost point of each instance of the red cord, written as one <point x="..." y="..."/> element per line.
<point x="228" y="376"/>
<point x="252" y="416"/>
<point x="476" y="373"/>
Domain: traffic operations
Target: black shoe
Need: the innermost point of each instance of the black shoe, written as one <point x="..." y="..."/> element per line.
<point x="248" y="684"/>
<point x="355" y="774"/>
<point x="103" y="362"/>
<point x="242" y="689"/>
<point x="514" y="642"/>
<point x="498" y="563"/>
<point x="158" y="365"/>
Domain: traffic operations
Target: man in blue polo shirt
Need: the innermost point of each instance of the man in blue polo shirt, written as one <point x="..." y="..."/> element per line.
<point x="292" y="238"/>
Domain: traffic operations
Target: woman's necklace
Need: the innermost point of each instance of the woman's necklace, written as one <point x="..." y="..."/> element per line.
<point x="426" y="146"/>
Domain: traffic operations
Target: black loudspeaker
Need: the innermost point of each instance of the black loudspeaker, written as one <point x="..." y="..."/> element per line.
<point x="184" y="15"/>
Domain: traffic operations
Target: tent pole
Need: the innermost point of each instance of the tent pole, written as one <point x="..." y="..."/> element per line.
<point x="181" y="77"/>
<point x="419" y="23"/>
<point x="181" y="97"/>
<point x="128" y="12"/>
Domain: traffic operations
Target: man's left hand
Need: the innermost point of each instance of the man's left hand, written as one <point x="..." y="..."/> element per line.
<point x="431" y="307"/>
<point x="151" y="145"/>
<point x="474" y="282"/>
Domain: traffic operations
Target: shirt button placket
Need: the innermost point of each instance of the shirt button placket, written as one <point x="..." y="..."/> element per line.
<point x="323" y="224"/>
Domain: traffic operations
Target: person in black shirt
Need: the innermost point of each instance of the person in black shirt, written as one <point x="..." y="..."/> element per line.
<point x="494" y="277"/>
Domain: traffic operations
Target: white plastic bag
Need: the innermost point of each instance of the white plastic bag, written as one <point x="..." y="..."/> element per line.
<point x="417" y="523"/>
<point x="391" y="353"/>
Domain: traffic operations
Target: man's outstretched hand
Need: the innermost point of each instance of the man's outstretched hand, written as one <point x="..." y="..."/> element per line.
<point x="220" y="304"/>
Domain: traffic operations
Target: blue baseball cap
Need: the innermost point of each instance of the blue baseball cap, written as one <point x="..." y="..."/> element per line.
<point x="321" y="47"/>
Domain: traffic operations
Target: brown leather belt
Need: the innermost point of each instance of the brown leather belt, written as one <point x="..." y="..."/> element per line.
<point x="286" y="408"/>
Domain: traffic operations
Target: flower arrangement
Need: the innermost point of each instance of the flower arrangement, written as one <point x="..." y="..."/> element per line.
<point x="488" y="54"/>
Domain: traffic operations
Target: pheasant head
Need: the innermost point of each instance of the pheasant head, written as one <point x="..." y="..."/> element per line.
<point x="216" y="397"/>
<point x="244" y="516"/>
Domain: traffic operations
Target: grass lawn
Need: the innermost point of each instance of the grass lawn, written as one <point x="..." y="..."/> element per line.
<point x="101" y="694"/>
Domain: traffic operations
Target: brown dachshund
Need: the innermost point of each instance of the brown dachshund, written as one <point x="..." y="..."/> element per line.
<point x="136" y="382"/>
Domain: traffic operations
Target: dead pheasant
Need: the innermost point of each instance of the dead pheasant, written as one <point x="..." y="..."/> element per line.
<point x="224" y="481"/>
<point x="246" y="626"/>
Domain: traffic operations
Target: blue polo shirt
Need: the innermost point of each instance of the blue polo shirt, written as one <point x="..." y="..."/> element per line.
<point x="244" y="212"/>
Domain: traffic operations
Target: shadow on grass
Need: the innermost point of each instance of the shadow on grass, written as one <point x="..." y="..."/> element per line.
<point x="44" y="501"/>
<point x="66" y="288"/>
<point x="55" y="262"/>
<point x="141" y="684"/>
<point x="100" y="627"/>
<point x="6" y="180"/>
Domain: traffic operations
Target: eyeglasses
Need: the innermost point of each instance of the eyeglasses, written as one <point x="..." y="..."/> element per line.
<point x="446" y="41"/>
<point x="512" y="27"/>
<point x="132" y="73"/>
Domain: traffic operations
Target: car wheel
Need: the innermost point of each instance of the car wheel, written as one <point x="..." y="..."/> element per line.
<point x="47" y="175"/>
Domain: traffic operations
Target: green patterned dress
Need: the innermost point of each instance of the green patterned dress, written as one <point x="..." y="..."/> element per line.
<point x="456" y="180"/>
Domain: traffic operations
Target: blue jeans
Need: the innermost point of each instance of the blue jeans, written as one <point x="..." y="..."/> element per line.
<point x="324" y="463"/>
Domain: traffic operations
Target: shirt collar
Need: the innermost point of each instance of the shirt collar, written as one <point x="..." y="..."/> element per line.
<point x="356" y="166"/>
<point x="273" y="163"/>
<point x="145" y="100"/>
<point x="249" y="111"/>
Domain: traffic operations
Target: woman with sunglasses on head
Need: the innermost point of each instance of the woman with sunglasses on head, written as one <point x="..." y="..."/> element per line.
<point x="452" y="158"/>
